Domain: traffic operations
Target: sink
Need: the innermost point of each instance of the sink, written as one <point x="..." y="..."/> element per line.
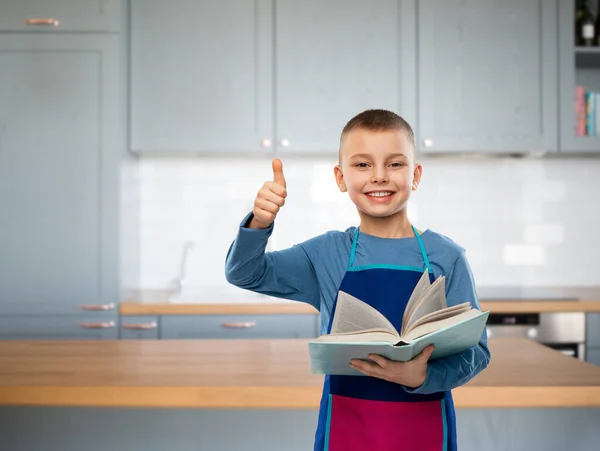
<point x="208" y="295"/>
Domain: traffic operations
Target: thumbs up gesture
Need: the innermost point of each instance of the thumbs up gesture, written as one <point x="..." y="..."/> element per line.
<point x="269" y="199"/>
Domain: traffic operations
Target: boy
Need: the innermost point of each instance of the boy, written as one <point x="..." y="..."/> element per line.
<point x="399" y="405"/>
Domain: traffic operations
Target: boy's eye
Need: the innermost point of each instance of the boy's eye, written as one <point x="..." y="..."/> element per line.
<point x="397" y="165"/>
<point x="361" y="165"/>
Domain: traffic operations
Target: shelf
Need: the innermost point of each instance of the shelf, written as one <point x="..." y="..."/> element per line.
<point x="587" y="50"/>
<point x="587" y="57"/>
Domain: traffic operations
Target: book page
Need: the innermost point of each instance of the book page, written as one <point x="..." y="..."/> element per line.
<point x="365" y="336"/>
<point x="432" y="300"/>
<point x="422" y="286"/>
<point x="427" y="328"/>
<point x="353" y="315"/>
<point x="440" y="314"/>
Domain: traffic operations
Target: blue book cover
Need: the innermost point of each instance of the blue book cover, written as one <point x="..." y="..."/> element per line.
<point x="359" y="330"/>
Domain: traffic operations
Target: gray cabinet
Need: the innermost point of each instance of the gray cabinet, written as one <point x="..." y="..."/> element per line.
<point x="60" y="15"/>
<point x="335" y="59"/>
<point x="60" y="129"/>
<point x="47" y="327"/>
<point x="201" y="76"/>
<point x="487" y="75"/>
<point x="593" y="329"/>
<point x="139" y="328"/>
<point x="577" y="67"/>
<point x="263" y="76"/>
<point x="239" y="326"/>
<point x="593" y="338"/>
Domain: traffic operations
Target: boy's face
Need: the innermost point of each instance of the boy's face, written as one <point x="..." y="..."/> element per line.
<point x="377" y="170"/>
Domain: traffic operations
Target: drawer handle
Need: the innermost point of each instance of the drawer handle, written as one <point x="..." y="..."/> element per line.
<point x="141" y="326"/>
<point x="104" y="325"/>
<point x="99" y="307"/>
<point x="43" y="21"/>
<point x="239" y="325"/>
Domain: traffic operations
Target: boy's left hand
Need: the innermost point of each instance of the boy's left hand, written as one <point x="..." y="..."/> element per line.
<point x="410" y="374"/>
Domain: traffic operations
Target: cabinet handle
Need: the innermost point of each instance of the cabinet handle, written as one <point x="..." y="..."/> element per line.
<point x="265" y="142"/>
<point x="43" y="21"/>
<point x="141" y="326"/>
<point x="98" y="307"/>
<point x="284" y="142"/>
<point x="104" y="325"/>
<point x="240" y="325"/>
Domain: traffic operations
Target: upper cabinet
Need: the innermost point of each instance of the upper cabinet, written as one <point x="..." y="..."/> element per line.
<point x="487" y="75"/>
<point x="260" y="76"/>
<point x="60" y="15"/>
<point x="201" y="76"/>
<point x="284" y="76"/>
<point x="334" y="59"/>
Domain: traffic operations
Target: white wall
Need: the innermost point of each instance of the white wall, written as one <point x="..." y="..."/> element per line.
<point x="523" y="222"/>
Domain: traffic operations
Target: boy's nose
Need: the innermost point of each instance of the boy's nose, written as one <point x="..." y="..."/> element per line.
<point x="379" y="176"/>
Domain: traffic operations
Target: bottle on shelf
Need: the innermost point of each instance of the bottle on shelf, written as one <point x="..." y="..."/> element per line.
<point x="585" y="26"/>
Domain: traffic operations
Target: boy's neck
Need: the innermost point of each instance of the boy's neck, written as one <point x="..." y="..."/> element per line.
<point x="396" y="226"/>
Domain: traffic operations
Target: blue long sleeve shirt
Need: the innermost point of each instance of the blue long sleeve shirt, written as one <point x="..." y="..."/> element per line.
<point x="312" y="272"/>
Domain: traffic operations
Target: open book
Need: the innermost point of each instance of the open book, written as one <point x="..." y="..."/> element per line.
<point x="358" y="330"/>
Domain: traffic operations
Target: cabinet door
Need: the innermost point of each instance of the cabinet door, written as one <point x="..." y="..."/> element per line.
<point x="240" y="326"/>
<point x="487" y="75"/>
<point x="60" y="15"/>
<point x="201" y="76"/>
<point x="59" y="148"/>
<point x="593" y="329"/>
<point x="57" y="328"/>
<point x="139" y="328"/>
<point x="335" y="59"/>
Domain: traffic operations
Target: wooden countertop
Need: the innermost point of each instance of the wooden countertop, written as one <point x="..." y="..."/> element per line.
<point x="498" y="300"/>
<point x="256" y="374"/>
<point x="156" y="302"/>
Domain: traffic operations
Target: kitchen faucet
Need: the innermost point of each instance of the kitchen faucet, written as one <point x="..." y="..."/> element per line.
<point x="181" y="281"/>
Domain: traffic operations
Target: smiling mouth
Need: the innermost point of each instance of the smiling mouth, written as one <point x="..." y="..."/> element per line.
<point x="380" y="193"/>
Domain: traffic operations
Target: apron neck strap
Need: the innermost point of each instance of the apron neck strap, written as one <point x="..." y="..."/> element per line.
<point x="353" y="251"/>
<point x="423" y="252"/>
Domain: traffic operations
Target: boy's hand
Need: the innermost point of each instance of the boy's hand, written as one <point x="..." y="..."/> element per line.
<point x="269" y="199"/>
<point x="410" y="374"/>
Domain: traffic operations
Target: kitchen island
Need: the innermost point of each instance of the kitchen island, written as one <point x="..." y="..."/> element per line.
<point x="260" y="395"/>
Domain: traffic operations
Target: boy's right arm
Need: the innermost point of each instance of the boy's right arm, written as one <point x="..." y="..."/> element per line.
<point x="286" y="274"/>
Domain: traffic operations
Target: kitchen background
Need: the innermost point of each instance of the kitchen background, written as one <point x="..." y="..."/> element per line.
<point x="135" y="134"/>
<point x="523" y="221"/>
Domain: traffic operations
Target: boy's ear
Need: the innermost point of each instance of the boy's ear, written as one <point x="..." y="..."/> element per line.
<point x="339" y="178"/>
<point x="417" y="176"/>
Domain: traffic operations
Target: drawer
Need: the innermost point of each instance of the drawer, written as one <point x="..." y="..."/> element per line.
<point x="139" y="328"/>
<point x="593" y="356"/>
<point x="593" y="330"/>
<point x="78" y="15"/>
<point x="239" y="326"/>
<point x="58" y="328"/>
<point x="41" y="305"/>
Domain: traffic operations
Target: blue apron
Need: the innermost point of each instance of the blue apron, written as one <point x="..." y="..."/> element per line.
<point x="366" y="413"/>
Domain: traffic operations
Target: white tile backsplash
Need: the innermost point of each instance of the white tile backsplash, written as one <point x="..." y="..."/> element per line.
<point x="523" y="222"/>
